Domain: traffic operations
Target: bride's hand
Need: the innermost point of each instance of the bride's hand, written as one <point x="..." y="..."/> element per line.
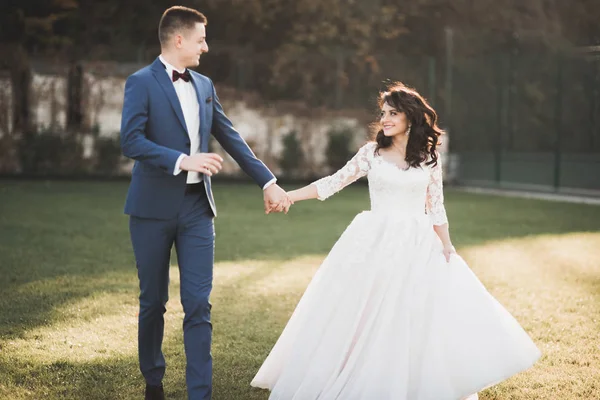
<point x="292" y="196"/>
<point x="448" y="251"/>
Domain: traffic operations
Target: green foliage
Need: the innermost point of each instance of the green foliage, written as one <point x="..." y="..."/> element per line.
<point x="108" y="157"/>
<point x="36" y="23"/>
<point x="59" y="153"/>
<point x="70" y="292"/>
<point x="335" y="53"/>
<point x="292" y="157"/>
<point x="50" y="153"/>
<point x="339" y="147"/>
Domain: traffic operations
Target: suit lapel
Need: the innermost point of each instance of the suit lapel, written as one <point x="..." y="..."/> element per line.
<point x="163" y="79"/>
<point x="202" y="110"/>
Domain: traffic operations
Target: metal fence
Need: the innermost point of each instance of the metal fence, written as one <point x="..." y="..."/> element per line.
<point x="519" y="118"/>
<point x="524" y="118"/>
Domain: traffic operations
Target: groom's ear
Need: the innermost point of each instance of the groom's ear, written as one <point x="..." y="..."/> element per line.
<point x="208" y="99"/>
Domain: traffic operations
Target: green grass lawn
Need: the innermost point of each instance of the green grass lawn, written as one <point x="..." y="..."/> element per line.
<point x="68" y="304"/>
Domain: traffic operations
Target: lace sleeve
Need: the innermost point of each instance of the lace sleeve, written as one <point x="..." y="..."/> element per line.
<point x="354" y="169"/>
<point x="435" y="195"/>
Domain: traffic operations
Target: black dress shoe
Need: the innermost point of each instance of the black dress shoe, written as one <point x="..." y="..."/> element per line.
<point x="154" y="393"/>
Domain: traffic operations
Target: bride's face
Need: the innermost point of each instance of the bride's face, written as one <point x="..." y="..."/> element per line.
<point x="393" y="121"/>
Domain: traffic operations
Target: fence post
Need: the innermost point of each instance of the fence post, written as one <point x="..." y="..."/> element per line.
<point x="431" y="83"/>
<point x="242" y="67"/>
<point x="449" y="64"/>
<point x="558" y="121"/>
<point x="339" y="72"/>
<point x="501" y="90"/>
<point x="512" y="106"/>
<point x="594" y="94"/>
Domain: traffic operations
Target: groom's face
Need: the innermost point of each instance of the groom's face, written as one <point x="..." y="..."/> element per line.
<point x="191" y="45"/>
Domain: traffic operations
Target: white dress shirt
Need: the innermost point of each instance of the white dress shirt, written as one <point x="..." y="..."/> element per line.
<point x="191" y="114"/>
<point x="186" y="93"/>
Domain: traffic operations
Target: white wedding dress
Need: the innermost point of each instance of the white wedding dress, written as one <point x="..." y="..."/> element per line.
<point x="386" y="317"/>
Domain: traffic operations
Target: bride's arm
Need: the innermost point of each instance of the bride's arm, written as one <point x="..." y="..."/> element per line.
<point x="444" y="234"/>
<point x="325" y="187"/>
<point x="306" y="193"/>
<point x="436" y="210"/>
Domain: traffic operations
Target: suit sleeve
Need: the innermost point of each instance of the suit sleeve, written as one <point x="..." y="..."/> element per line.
<point x="236" y="146"/>
<point x="134" y="143"/>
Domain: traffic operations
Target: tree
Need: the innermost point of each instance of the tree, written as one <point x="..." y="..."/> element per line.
<point x="293" y="156"/>
<point x="28" y="27"/>
<point x="338" y="150"/>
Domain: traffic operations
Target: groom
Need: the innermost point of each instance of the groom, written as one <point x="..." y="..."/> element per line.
<point x="169" y="113"/>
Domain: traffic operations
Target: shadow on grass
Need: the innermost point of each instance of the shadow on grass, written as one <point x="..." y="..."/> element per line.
<point x="99" y="379"/>
<point x="253" y="300"/>
<point x="41" y="211"/>
<point x="38" y="303"/>
<point x="64" y="241"/>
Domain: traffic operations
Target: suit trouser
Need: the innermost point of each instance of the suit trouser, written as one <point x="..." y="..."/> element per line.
<point x="192" y="232"/>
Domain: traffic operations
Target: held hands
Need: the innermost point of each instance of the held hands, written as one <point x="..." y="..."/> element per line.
<point x="276" y="200"/>
<point x="448" y="251"/>
<point x="205" y="163"/>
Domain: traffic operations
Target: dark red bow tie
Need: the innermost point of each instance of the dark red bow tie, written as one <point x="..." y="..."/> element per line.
<point x="185" y="76"/>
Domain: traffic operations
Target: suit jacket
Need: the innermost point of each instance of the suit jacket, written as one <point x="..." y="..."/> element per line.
<point x="154" y="134"/>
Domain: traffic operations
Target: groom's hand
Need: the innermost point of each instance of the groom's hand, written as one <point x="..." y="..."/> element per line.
<point x="205" y="163"/>
<point x="284" y="207"/>
<point x="276" y="199"/>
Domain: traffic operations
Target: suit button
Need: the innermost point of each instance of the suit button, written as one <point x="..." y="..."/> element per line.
<point x="187" y="144"/>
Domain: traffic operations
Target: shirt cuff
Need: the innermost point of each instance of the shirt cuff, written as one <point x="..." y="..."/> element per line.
<point x="272" y="181"/>
<point x="177" y="170"/>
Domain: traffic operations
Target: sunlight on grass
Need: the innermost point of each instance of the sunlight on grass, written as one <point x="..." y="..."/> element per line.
<point x="550" y="283"/>
<point x="68" y="310"/>
<point x="83" y="338"/>
<point x="272" y="278"/>
<point x="102" y="325"/>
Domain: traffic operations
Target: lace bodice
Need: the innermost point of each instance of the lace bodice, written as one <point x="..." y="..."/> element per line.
<point x="414" y="191"/>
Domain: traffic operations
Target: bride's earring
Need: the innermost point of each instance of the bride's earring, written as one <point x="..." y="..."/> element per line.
<point x="408" y="130"/>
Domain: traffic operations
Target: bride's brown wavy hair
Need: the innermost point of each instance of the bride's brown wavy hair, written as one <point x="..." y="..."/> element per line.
<point x="422" y="118"/>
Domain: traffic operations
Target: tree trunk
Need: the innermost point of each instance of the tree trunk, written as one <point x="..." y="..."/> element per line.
<point x="75" y="98"/>
<point x="21" y="77"/>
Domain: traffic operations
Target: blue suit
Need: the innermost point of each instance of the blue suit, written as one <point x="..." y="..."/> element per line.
<point x="165" y="212"/>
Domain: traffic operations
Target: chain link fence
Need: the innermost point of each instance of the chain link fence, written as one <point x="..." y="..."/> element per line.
<point x="518" y="118"/>
<point x="524" y="118"/>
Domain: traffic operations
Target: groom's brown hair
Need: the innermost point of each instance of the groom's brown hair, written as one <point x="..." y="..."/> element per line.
<point x="178" y="18"/>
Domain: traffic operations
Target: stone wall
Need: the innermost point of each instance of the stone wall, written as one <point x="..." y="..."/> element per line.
<point x="262" y="124"/>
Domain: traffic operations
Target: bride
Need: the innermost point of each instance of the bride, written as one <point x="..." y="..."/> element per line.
<point x="393" y="313"/>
